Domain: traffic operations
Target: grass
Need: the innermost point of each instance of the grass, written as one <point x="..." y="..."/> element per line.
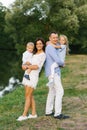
<point x="74" y="79"/>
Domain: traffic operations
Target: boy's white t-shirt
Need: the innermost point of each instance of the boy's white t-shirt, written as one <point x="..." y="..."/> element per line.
<point x="27" y="56"/>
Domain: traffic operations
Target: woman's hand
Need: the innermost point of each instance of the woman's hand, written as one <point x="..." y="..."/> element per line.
<point x="33" y="67"/>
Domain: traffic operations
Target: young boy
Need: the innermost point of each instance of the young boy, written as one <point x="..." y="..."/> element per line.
<point x="26" y="58"/>
<point x="62" y="47"/>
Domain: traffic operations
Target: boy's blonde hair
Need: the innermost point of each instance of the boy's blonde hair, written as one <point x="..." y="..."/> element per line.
<point x="30" y="44"/>
<point x="66" y="43"/>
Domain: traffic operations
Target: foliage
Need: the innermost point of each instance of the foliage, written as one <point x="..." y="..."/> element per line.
<point x="40" y="17"/>
<point x="6" y="45"/>
<point x="26" y="20"/>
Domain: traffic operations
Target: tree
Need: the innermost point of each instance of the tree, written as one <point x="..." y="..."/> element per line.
<point x="82" y="32"/>
<point x="25" y="21"/>
<point x="5" y="48"/>
<point x="28" y="19"/>
<point x="70" y="17"/>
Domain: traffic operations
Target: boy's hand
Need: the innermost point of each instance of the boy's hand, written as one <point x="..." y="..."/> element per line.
<point x="24" y="67"/>
<point x="27" y="63"/>
<point x="28" y="71"/>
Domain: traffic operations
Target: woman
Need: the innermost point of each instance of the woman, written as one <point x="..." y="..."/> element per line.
<point x="35" y="67"/>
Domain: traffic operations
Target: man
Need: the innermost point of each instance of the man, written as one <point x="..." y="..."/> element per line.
<point x="56" y="91"/>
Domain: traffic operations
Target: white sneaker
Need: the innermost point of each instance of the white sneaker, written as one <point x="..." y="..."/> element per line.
<point x="21" y="118"/>
<point x="31" y="116"/>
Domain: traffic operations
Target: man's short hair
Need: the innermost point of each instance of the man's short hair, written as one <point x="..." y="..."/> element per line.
<point x="53" y="32"/>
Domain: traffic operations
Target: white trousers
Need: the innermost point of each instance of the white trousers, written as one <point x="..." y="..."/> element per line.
<point x="54" y="98"/>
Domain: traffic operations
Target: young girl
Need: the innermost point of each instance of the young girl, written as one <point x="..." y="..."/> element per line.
<point x="62" y="49"/>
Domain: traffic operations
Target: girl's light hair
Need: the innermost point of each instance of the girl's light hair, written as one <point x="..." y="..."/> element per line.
<point x="30" y="44"/>
<point x="66" y="43"/>
<point x="65" y="37"/>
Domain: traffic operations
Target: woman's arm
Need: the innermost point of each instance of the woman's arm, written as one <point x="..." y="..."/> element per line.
<point x="54" y="55"/>
<point x="39" y="64"/>
<point x="33" y="67"/>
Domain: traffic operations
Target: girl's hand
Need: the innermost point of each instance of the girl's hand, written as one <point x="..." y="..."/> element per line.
<point x="56" y="46"/>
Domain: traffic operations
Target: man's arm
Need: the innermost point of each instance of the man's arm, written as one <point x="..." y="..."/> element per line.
<point x="52" y="52"/>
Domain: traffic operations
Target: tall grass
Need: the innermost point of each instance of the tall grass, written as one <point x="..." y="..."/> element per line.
<point x="74" y="79"/>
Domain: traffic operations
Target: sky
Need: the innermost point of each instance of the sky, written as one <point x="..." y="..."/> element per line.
<point x="7" y="2"/>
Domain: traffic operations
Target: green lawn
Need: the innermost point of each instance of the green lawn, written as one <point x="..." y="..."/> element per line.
<point x="74" y="79"/>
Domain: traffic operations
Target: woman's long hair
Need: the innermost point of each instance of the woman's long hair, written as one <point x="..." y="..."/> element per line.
<point x="43" y="42"/>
